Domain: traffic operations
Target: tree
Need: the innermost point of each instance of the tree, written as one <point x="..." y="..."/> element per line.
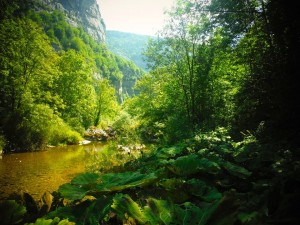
<point x="25" y="51"/>
<point x="75" y="87"/>
<point x="27" y="74"/>
<point x="159" y="107"/>
<point x="7" y="7"/>
<point x="187" y="50"/>
<point x="265" y="33"/>
<point x="107" y="105"/>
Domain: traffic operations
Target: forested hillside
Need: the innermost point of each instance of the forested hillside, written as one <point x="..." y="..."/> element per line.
<point x="218" y="111"/>
<point x="56" y="80"/>
<point x="128" y="45"/>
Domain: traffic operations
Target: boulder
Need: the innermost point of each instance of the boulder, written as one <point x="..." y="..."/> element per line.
<point x="96" y="134"/>
<point x="128" y="149"/>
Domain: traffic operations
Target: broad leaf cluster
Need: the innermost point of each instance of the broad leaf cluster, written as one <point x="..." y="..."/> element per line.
<point x="183" y="184"/>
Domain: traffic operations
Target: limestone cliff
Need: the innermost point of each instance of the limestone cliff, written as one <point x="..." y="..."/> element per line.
<point x="85" y="13"/>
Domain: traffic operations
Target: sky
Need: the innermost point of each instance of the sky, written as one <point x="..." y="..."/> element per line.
<point x="134" y="16"/>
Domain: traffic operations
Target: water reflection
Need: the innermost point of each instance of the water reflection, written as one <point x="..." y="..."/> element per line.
<point x="37" y="172"/>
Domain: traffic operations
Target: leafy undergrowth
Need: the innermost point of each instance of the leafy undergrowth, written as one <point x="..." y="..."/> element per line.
<point x="207" y="180"/>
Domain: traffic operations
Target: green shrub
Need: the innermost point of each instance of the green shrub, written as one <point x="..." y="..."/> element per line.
<point x="62" y="134"/>
<point x="11" y="212"/>
<point x="33" y="127"/>
<point x="126" y="126"/>
<point x="38" y="126"/>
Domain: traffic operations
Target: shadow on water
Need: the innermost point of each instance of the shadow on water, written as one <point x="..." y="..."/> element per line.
<point x="37" y="172"/>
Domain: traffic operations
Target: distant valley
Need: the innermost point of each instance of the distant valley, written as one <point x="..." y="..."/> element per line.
<point x="129" y="46"/>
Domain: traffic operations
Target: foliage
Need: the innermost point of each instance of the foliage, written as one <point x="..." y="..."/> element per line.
<point x="76" y="90"/>
<point x="55" y="221"/>
<point x="107" y="107"/>
<point x="50" y="63"/>
<point x="127" y="128"/>
<point x="161" y="212"/>
<point x="192" y="164"/>
<point x="216" y="64"/>
<point x="194" y="78"/>
<point x="86" y="212"/>
<point x="28" y="73"/>
<point x="62" y="88"/>
<point x="93" y="184"/>
<point x="22" y="79"/>
<point x="40" y="126"/>
<point x="128" y="45"/>
<point x="208" y="179"/>
<point x="11" y="212"/>
<point x="170" y="185"/>
<point x="159" y="107"/>
<point x="107" y="65"/>
<point x="2" y="143"/>
<point x="61" y="133"/>
<point x="267" y="94"/>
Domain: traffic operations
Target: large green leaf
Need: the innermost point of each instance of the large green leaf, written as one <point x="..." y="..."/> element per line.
<point x="98" y="210"/>
<point x="79" y="186"/>
<point x="11" y="212"/>
<point x="73" y="192"/>
<point x="124" y="206"/>
<point x="164" y="153"/>
<point x="155" y="212"/>
<point x="194" y="187"/>
<point x="202" y="190"/>
<point x="87" y="212"/>
<point x="236" y="170"/>
<point x="192" y="164"/>
<point x="95" y="185"/>
<point x="171" y="184"/>
<point x="187" y="214"/>
<point x="55" y="221"/>
<point x="158" y="211"/>
<point x="86" y="179"/>
<point x="120" y="181"/>
<point x="163" y="212"/>
<point x="190" y="214"/>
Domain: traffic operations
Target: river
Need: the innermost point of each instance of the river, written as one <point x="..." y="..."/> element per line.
<point x="37" y="172"/>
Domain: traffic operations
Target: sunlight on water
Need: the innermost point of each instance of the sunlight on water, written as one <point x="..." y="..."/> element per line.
<point x="37" y="172"/>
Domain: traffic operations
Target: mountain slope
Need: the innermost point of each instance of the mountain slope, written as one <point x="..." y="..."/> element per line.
<point x="79" y="13"/>
<point x="128" y="45"/>
<point x="56" y="80"/>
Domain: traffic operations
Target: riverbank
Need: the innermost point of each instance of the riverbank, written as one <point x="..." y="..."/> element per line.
<point x="40" y="171"/>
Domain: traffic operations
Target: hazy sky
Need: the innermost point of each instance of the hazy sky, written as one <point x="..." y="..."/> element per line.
<point x="135" y="16"/>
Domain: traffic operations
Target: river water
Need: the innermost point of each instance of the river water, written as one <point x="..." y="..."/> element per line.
<point x="37" y="172"/>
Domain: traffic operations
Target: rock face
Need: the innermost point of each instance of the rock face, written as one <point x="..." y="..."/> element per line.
<point x="84" y="13"/>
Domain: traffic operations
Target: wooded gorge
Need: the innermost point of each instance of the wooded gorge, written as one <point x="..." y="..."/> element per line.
<point x="56" y="80"/>
<point x="218" y="110"/>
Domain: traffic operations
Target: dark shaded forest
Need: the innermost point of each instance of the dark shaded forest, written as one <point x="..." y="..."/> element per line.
<point x="218" y="110"/>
